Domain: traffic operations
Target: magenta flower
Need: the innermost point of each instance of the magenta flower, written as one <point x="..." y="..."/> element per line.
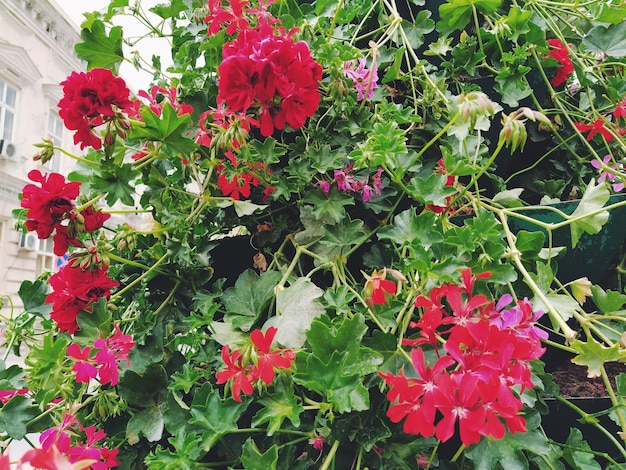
<point x="605" y="175"/>
<point x="85" y="370"/>
<point x="364" y="80"/>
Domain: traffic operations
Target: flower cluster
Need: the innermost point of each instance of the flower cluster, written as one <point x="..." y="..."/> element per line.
<point x="263" y="68"/>
<point x="364" y="80"/>
<point x="237" y="181"/>
<point x="616" y="182"/>
<point x="63" y="438"/>
<point x="247" y="366"/>
<point x="486" y="353"/>
<point x="50" y="208"/>
<point x="76" y="289"/>
<point x="91" y="99"/>
<point x="346" y="182"/>
<point x="102" y="361"/>
<point x="378" y="287"/>
<point x="560" y="53"/>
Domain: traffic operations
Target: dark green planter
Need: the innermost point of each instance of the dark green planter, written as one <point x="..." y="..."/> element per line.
<point x="594" y="256"/>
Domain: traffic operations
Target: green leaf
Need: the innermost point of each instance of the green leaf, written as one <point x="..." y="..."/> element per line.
<point x="248" y="298"/>
<point x="148" y="422"/>
<point x="607" y="301"/>
<point x="408" y="227"/>
<point x="344" y="235"/>
<point x="33" y="296"/>
<point x="187" y="450"/>
<point x="513" y="87"/>
<point x="15" y="415"/>
<point x="95" y="323"/>
<point x="518" y="20"/>
<point x="169" y="129"/>
<point x="266" y="151"/>
<point x="432" y="190"/>
<point x="115" y="181"/>
<point x="563" y="304"/>
<point x="577" y="452"/>
<point x="593" y="199"/>
<point x="508" y="452"/>
<point x="243" y="208"/>
<point x="593" y="355"/>
<point x="344" y="335"/>
<point x="455" y="14"/>
<point x="218" y="417"/>
<point x="278" y="406"/>
<point x="609" y="40"/>
<point x="296" y="307"/>
<point x="529" y="243"/>
<point x="329" y="206"/>
<point x="253" y="459"/>
<point x="344" y="391"/>
<point x="145" y="389"/>
<point x="100" y="50"/>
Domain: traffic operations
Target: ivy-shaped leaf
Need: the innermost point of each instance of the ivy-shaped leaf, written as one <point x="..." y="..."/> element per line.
<point x="15" y="415"/>
<point x="344" y="391"/>
<point x="331" y="205"/>
<point x="278" y="406"/>
<point x="607" y="301"/>
<point x="253" y="459"/>
<point x="609" y="40"/>
<point x="593" y="199"/>
<point x="594" y="355"/>
<point x="408" y="227"/>
<point x="218" y="417"/>
<point x="148" y="422"/>
<point x="248" y="298"/>
<point x="33" y="296"/>
<point x="100" y="50"/>
<point x="432" y="190"/>
<point x="508" y="452"/>
<point x="296" y="307"/>
<point x="455" y="14"/>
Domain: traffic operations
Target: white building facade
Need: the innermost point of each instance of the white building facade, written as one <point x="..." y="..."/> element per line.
<point x="36" y="54"/>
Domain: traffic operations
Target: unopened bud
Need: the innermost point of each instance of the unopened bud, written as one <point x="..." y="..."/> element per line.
<point x="109" y="139"/>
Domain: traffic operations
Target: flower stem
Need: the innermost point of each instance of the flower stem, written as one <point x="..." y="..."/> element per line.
<point x="330" y="457"/>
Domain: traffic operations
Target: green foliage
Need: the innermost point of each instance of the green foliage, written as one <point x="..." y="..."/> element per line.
<point x="98" y="49"/>
<point x="291" y="271"/>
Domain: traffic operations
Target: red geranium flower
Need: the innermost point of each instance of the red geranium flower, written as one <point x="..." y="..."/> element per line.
<point x="49" y="204"/>
<point x="265" y="69"/>
<point x="377" y="288"/>
<point x="559" y="52"/>
<point x="596" y="127"/>
<point x="90" y="99"/>
<point x="75" y="289"/>
<point x="268" y="361"/>
<point x="242" y="377"/>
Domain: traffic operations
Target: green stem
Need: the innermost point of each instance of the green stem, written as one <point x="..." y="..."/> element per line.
<point x="587" y="418"/>
<point x="330" y="457"/>
<point x="76" y="157"/>
<point x="90" y="203"/>
<point x="139" y="279"/>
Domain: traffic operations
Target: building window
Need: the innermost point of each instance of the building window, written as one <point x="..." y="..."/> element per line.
<point x="46" y="260"/>
<point x="8" y="96"/>
<point x="55" y="134"/>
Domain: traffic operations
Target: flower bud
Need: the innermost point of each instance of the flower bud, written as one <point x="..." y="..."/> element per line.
<point x="581" y="289"/>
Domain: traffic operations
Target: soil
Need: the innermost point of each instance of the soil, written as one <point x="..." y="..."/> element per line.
<point x="573" y="381"/>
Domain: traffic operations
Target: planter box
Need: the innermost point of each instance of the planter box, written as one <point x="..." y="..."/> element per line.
<point x="593" y="254"/>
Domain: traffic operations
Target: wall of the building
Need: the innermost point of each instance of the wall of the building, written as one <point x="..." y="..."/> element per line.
<point x="36" y="54"/>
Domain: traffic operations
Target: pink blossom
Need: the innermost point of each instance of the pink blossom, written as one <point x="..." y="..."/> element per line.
<point x="364" y="80"/>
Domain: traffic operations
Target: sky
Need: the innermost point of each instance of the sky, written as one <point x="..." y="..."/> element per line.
<point x="136" y="80"/>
